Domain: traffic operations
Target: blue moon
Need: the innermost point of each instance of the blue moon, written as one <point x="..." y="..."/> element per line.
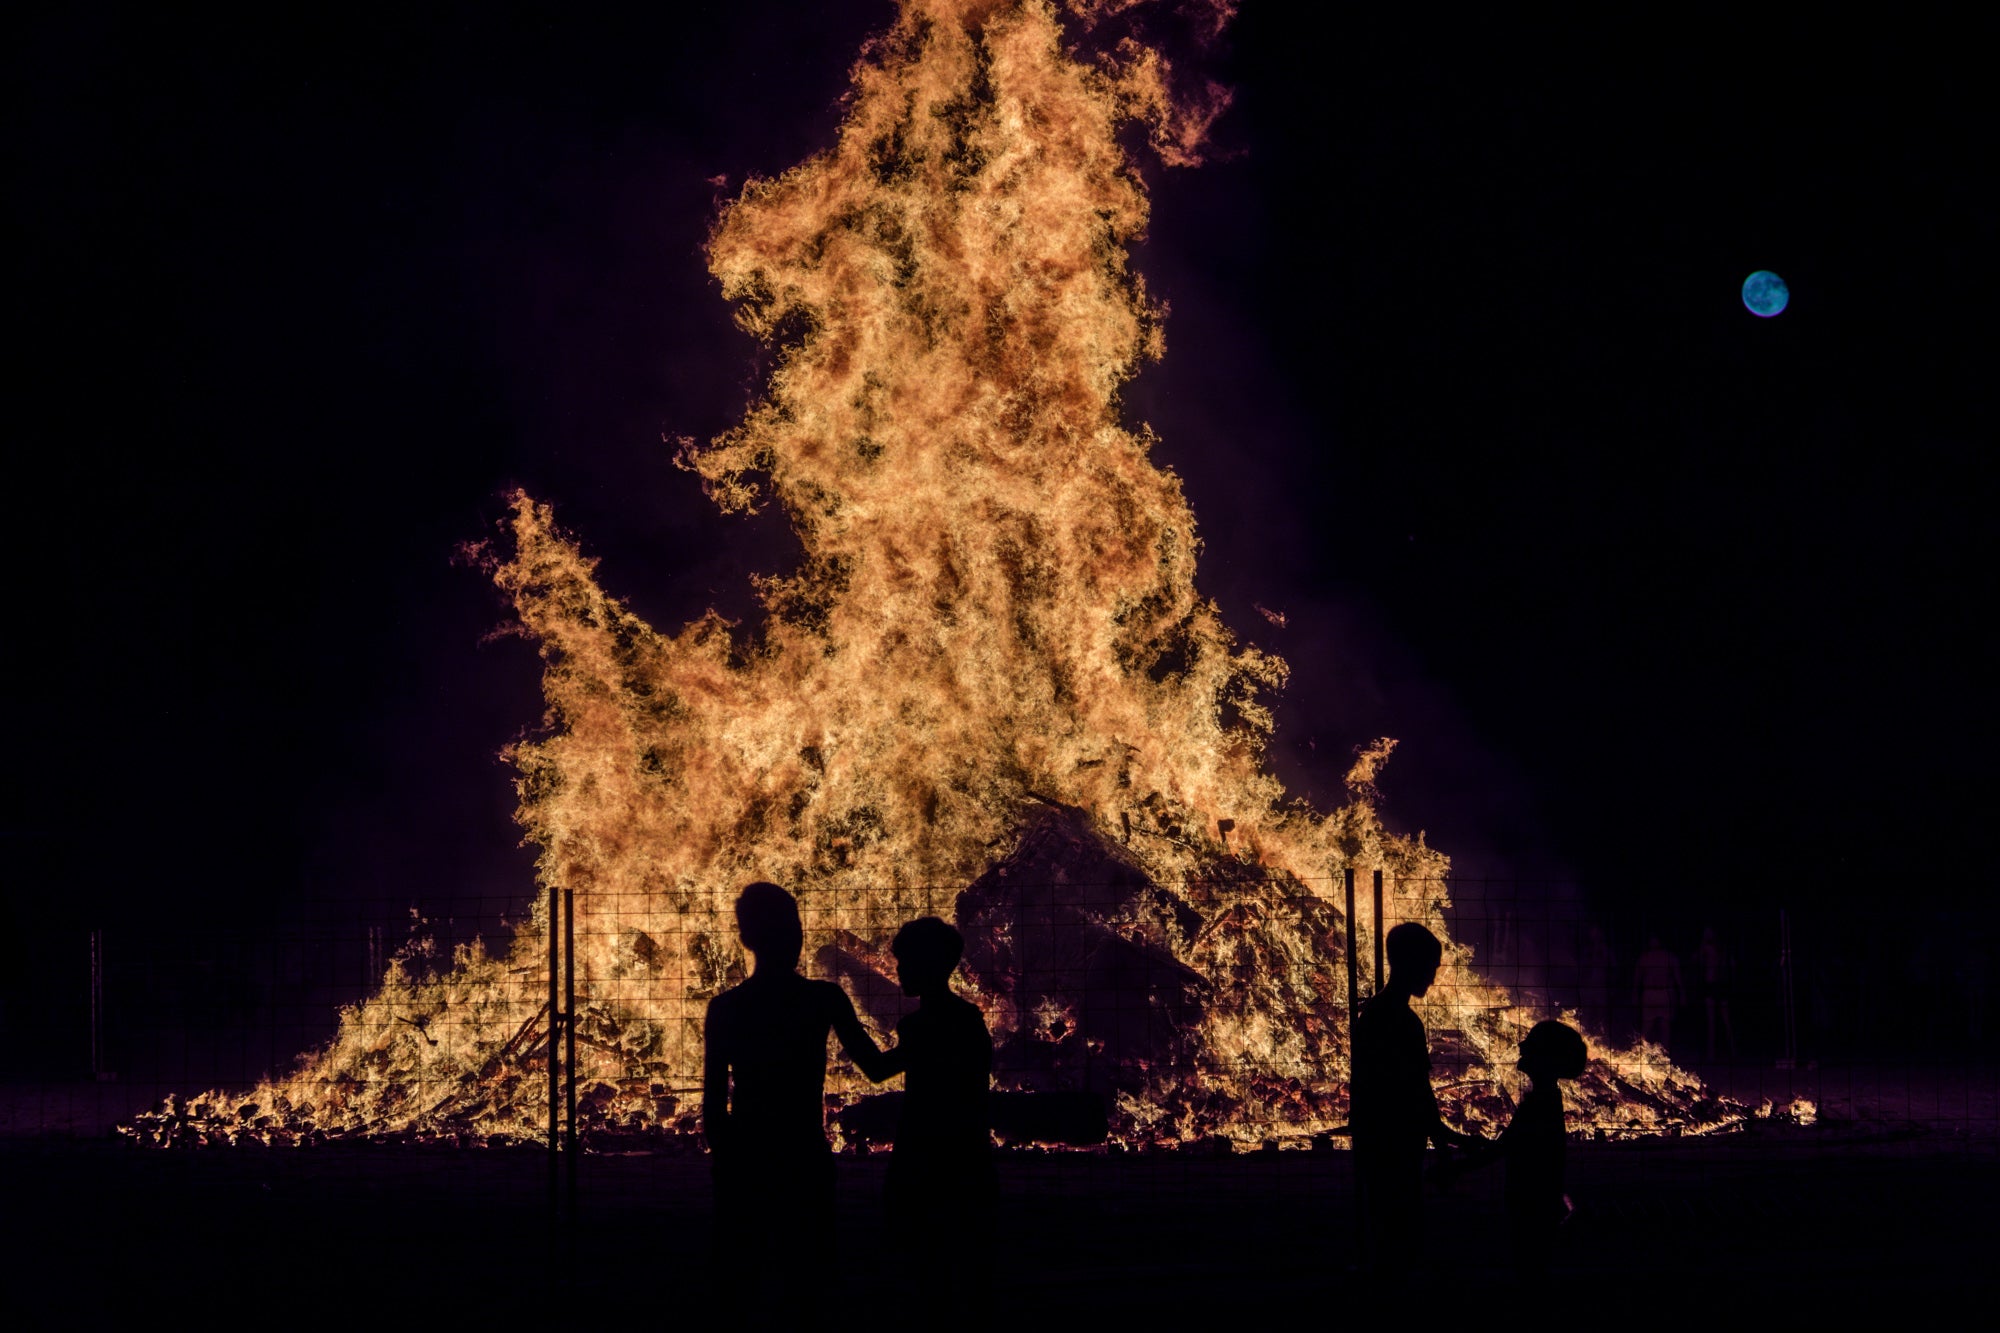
<point x="1765" y="294"/>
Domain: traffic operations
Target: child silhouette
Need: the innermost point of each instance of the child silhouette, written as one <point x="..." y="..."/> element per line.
<point x="1534" y="1145"/>
<point x="941" y="1185"/>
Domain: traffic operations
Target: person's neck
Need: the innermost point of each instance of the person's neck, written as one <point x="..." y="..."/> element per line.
<point x="763" y="969"/>
<point x="1396" y="991"/>
<point x="931" y="999"/>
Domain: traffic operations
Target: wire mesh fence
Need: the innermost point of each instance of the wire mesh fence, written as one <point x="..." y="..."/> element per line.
<point x="414" y="1043"/>
<point x="1114" y="992"/>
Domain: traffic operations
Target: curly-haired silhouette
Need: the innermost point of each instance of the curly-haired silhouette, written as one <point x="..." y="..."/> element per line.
<point x="1392" y="1110"/>
<point x="1534" y="1145"/>
<point x="941" y="1184"/>
<point x="763" y="1102"/>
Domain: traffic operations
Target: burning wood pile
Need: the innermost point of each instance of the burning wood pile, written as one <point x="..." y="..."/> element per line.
<point x="989" y="691"/>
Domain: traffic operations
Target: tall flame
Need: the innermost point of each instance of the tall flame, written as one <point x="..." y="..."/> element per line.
<point x="996" y="615"/>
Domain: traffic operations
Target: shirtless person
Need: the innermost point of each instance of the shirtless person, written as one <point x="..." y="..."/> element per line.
<point x="1393" y="1111"/>
<point x="762" y="1110"/>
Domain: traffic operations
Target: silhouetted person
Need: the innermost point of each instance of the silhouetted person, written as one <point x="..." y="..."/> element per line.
<point x="762" y="1111"/>
<point x="1714" y="971"/>
<point x="1656" y="989"/>
<point x="1535" y="1146"/>
<point x="941" y="1185"/>
<point x="1392" y="1110"/>
<point x="1598" y="964"/>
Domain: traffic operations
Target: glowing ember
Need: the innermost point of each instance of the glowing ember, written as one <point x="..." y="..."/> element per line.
<point x="990" y="689"/>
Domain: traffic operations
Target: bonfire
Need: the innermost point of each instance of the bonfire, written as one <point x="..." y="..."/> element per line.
<point x="989" y="691"/>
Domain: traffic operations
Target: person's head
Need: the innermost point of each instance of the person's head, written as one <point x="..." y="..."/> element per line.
<point x="1708" y="934"/>
<point x="926" y="950"/>
<point x="767" y="921"/>
<point x="1414" y="956"/>
<point x="1553" y="1050"/>
<point x="1653" y="942"/>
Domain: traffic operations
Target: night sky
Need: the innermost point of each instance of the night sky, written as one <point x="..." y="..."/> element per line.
<point x="1662" y="599"/>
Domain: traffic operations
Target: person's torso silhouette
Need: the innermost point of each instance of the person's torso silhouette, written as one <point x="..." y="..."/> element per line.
<point x="1535" y="1145"/>
<point x="1392" y="1105"/>
<point x="941" y="1188"/>
<point x="763" y="1099"/>
<point x="771" y="1033"/>
<point x="1392" y="1111"/>
<point x="946" y="1055"/>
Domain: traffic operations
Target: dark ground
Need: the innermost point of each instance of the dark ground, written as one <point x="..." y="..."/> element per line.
<point x="1891" y="1201"/>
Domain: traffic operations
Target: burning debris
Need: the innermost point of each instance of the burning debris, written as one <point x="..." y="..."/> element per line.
<point x="990" y="690"/>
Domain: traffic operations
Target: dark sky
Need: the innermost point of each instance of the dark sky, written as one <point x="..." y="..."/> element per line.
<point x="1656" y="593"/>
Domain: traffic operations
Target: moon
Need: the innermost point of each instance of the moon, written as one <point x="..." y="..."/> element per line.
<point x="1765" y="294"/>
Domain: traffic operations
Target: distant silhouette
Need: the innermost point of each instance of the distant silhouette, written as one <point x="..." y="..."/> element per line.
<point x="1535" y="1146"/>
<point x="1598" y="964"/>
<point x="1657" y="990"/>
<point x="1393" y="1111"/>
<point x="762" y="1108"/>
<point x="941" y="1186"/>
<point x="1714" y="972"/>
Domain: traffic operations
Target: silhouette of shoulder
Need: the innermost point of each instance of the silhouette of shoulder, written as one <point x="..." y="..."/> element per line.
<point x="750" y="1007"/>
<point x="771" y="1033"/>
<point x="1391" y="1073"/>
<point x="949" y="1019"/>
<point x="1535" y="1146"/>
<point x="1389" y="1031"/>
<point x="1389" y="1015"/>
<point x="947" y="1059"/>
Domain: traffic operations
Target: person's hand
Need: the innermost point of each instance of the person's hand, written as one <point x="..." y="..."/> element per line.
<point x="1449" y="1172"/>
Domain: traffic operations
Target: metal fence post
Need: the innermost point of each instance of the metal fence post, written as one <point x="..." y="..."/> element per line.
<point x="1381" y="930"/>
<point x="554" y="1051"/>
<point x="569" y="1038"/>
<point x="1353" y="982"/>
<point x="1353" y="1013"/>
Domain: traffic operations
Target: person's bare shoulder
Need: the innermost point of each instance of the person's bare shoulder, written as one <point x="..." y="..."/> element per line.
<point x="723" y="1008"/>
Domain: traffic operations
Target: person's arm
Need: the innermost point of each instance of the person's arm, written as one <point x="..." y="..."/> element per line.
<point x="874" y="1062"/>
<point x="1435" y="1129"/>
<point x="1444" y="1135"/>
<point x="1483" y="1152"/>
<point x="714" y="1086"/>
